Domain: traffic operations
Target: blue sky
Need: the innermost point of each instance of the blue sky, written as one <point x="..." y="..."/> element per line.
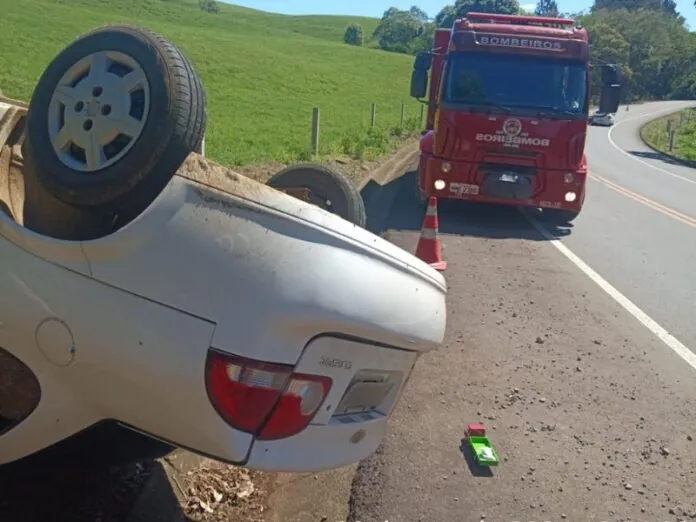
<point x="375" y="8"/>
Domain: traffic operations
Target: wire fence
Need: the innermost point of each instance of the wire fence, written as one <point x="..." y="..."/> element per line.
<point x="676" y="125"/>
<point x="406" y="121"/>
<point x="306" y="131"/>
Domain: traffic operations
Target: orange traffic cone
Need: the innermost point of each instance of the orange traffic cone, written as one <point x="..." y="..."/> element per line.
<point x="428" y="248"/>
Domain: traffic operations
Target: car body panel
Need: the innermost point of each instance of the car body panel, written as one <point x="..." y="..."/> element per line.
<point x="284" y="269"/>
<point x="132" y="360"/>
<point x="239" y="267"/>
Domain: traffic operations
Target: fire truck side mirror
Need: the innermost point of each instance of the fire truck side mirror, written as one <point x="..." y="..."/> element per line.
<point x="423" y="61"/>
<point x="419" y="76"/>
<point x="611" y="89"/>
<point x="609" y="99"/>
<point x="419" y="83"/>
<point x="611" y="75"/>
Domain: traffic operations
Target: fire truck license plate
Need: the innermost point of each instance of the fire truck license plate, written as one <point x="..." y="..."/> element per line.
<point x="508" y="177"/>
<point x="461" y="189"/>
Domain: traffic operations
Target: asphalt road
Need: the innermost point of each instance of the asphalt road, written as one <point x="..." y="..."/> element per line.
<point x="559" y="340"/>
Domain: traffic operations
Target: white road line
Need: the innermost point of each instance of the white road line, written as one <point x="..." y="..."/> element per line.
<point x="653" y="115"/>
<point x="662" y="334"/>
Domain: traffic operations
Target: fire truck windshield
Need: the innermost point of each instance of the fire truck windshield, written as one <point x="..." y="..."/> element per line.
<point x="553" y="86"/>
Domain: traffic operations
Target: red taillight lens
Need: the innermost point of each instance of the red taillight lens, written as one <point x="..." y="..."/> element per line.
<point x="266" y="400"/>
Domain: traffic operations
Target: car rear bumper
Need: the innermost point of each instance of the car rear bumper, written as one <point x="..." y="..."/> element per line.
<point x="352" y="420"/>
<point x="459" y="182"/>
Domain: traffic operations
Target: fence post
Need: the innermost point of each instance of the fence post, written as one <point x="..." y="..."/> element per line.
<point x="671" y="140"/>
<point x="202" y="152"/>
<point x="669" y="126"/>
<point x="315" y="131"/>
<point x="422" y="113"/>
<point x="403" y="109"/>
<point x="373" y="115"/>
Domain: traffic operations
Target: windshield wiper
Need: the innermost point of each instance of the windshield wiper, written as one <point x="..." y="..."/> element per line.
<point x="549" y="112"/>
<point x="496" y="105"/>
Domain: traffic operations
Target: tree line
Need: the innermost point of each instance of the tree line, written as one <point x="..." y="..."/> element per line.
<point x="647" y="38"/>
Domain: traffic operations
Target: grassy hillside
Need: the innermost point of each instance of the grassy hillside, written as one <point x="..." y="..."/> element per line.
<point x="263" y="72"/>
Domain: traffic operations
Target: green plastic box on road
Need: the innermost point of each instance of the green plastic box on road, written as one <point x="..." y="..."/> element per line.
<point x="483" y="450"/>
<point x="481" y="447"/>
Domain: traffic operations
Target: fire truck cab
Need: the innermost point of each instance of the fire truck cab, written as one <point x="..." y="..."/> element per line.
<point x="508" y="103"/>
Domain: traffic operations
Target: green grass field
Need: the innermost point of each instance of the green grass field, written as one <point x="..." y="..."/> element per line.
<point x="654" y="133"/>
<point x="262" y="72"/>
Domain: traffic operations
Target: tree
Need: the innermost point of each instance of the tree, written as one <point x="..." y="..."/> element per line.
<point x="209" y="6"/>
<point x="448" y="14"/>
<point x="354" y="35"/>
<point x="390" y="13"/>
<point x="401" y="31"/>
<point x="654" y="49"/>
<point x="417" y="13"/>
<point x="446" y="17"/>
<point x="666" y="6"/>
<point x="546" y="8"/>
<point x="425" y="41"/>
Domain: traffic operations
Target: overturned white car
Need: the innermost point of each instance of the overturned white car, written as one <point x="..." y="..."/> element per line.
<point x="144" y="307"/>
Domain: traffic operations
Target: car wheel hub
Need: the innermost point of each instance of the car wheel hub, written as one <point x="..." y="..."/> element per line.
<point x="98" y="111"/>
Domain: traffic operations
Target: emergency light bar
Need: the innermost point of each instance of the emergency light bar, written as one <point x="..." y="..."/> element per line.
<point x="519" y="20"/>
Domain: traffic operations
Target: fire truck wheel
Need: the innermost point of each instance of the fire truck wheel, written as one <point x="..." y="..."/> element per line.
<point x="324" y="188"/>
<point x="112" y="118"/>
<point x="559" y="217"/>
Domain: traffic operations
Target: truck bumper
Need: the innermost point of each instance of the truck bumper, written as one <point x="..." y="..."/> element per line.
<point x="463" y="180"/>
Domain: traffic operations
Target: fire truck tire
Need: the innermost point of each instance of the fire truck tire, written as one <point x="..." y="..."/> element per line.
<point x="328" y="189"/>
<point x="559" y="217"/>
<point x="112" y="118"/>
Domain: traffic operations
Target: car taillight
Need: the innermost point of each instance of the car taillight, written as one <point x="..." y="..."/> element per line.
<point x="266" y="400"/>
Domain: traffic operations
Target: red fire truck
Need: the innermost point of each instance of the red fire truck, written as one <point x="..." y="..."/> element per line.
<point x="507" y="112"/>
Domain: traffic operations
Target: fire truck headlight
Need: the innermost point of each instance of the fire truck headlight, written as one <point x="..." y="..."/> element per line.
<point x="446" y="167"/>
<point x="568" y="177"/>
<point x="439" y="184"/>
<point x="570" y="196"/>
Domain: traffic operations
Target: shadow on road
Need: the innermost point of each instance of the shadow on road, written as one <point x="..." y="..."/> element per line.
<point x="29" y="494"/>
<point x="395" y="206"/>
<point x="653" y="155"/>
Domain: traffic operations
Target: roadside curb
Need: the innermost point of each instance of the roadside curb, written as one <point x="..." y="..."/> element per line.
<point x="675" y="159"/>
<point x="391" y="168"/>
<point x="379" y="191"/>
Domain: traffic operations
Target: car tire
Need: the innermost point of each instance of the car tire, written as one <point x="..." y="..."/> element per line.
<point x="328" y="189"/>
<point x="112" y="118"/>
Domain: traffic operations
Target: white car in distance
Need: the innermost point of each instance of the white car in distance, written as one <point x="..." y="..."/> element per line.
<point x="602" y="119"/>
